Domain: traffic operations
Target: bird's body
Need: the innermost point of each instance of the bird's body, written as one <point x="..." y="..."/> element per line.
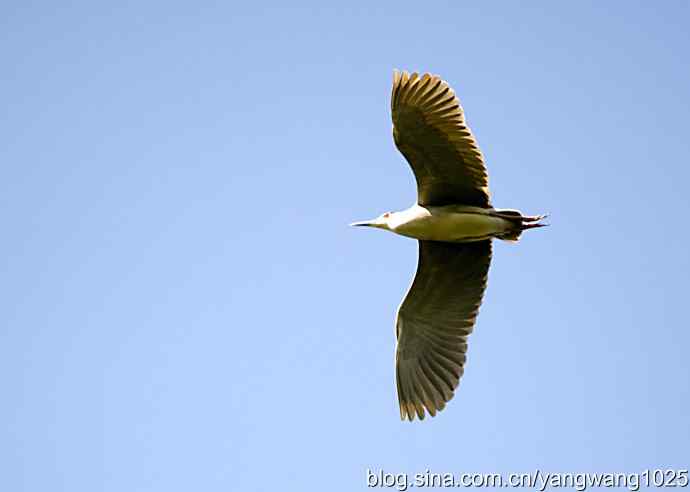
<point x="449" y="223"/>
<point x="454" y="223"/>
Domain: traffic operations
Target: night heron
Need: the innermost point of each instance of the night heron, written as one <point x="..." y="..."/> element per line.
<point x="454" y="222"/>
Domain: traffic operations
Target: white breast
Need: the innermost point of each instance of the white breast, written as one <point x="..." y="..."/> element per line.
<point x="451" y="223"/>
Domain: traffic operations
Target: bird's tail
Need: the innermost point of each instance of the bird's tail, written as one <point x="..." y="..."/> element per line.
<point x="520" y="223"/>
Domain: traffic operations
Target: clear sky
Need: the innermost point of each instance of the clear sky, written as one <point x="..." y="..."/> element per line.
<point x="183" y="306"/>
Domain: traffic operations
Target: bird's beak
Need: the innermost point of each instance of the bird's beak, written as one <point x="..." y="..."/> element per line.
<point x="363" y="223"/>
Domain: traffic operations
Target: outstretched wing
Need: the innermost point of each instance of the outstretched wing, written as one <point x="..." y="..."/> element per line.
<point x="434" y="320"/>
<point x="429" y="129"/>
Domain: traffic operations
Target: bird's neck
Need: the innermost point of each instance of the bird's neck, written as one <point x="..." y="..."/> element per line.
<point x="406" y="216"/>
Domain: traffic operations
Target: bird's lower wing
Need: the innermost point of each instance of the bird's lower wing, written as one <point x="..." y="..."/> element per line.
<point x="434" y="320"/>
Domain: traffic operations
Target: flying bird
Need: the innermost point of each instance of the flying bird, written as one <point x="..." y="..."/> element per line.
<point x="454" y="223"/>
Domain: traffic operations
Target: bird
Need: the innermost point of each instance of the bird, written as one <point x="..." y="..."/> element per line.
<point x="454" y="224"/>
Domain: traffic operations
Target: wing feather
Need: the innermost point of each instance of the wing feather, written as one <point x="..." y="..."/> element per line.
<point x="429" y="129"/>
<point x="434" y="321"/>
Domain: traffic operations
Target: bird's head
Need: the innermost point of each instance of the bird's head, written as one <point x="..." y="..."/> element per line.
<point x="381" y="222"/>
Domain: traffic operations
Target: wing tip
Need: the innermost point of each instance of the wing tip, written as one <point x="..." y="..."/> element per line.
<point x="411" y="411"/>
<point x="419" y="395"/>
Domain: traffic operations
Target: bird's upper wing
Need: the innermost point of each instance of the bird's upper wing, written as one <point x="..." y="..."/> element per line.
<point x="429" y="129"/>
<point x="434" y="321"/>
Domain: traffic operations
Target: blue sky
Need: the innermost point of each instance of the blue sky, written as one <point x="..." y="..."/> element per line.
<point x="182" y="304"/>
